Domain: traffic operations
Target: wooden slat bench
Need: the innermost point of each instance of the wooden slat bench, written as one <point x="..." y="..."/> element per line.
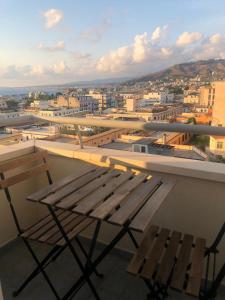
<point x="170" y="259"/>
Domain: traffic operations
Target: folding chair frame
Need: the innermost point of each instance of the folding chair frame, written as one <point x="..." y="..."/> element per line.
<point x="51" y="256"/>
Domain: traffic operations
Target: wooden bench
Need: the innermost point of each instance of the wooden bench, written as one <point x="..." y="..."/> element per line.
<point x="169" y="259"/>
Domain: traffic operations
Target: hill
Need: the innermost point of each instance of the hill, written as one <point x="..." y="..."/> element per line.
<point x="207" y="70"/>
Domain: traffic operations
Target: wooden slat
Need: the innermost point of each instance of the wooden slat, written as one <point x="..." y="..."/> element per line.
<point x="195" y="276"/>
<point x="30" y="230"/>
<point x="72" y="199"/>
<point x="155" y="254"/>
<point x="54" y="230"/>
<point x="75" y="185"/>
<point x="112" y="202"/>
<point x="22" y="160"/>
<point x="50" y="189"/>
<point x="145" y="246"/>
<point x="24" y="175"/>
<point x="168" y="259"/>
<point x="142" y="220"/>
<point x="180" y="269"/>
<point x="134" y="201"/>
<point x="80" y="227"/>
<point x="67" y="228"/>
<point x="91" y="201"/>
<point x="37" y="234"/>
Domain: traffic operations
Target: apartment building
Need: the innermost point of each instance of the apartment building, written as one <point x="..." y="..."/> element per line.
<point x="192" y="99"/>
<point x="40" y="104"/>
<point x="161" y="113"/>
<point x="9" y="115"/>
<point x="81" y="102"/>
<point x="105" y="100"/>
<point x="160" y="97"/>
<point x="63" y="112"/>
<point x="207" y="96"/>
<point x="217" y="144"/>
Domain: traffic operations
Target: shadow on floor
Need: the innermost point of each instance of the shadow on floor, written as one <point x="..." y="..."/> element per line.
<point x="16" y="263"/>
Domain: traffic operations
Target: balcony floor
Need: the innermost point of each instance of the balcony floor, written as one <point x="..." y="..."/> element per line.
<point x="15" y="264"/>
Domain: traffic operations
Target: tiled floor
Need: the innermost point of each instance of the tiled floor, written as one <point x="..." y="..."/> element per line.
<point x="16" y="263"/>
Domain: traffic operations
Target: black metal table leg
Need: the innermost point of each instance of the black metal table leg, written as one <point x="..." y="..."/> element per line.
<point x="75" y="255"/>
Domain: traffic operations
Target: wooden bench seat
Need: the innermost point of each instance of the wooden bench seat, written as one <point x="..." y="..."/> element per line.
<point x="46" y="230"/>
<point x="170" y="259"/>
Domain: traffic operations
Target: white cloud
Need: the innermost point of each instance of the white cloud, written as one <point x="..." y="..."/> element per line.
<point x="59" y="46"/>
<point x="141" y="56"/>
<point x="80" y="56"/>
<point x="159" y="33"/>
<point x="140" y="47"/>
<point x="115" y="61"/>
<point x="216" y="38"/>
<point x="59" y="68"/>
<point x="187" y="38"/>
<point x="212" y="47"/>
<point x="52" y="17"/>
<point x="137" y="53"/>
<point x="95" y="33"/>
<point x="37" y="70"/>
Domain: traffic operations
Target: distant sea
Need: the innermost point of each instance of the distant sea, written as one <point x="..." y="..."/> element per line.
<point x="4" y="91"/>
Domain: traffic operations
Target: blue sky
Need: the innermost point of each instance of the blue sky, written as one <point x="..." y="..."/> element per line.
<point x="45" y="42"/>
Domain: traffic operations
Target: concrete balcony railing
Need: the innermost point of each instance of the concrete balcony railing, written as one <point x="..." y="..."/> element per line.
<point x="196" y="205"/>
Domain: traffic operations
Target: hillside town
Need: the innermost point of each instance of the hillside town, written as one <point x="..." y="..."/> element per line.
<point x="188" y="101"/>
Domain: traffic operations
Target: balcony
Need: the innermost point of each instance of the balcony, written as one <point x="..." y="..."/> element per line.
<point x="196" y="206"/>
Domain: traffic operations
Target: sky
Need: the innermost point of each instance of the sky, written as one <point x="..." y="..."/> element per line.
<point x="60" y="41"/>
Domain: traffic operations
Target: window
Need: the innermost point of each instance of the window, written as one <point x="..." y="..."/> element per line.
<point x="219" y="145"/>
<point x="143" y="150"/>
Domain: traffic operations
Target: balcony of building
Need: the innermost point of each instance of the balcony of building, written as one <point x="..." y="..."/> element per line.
<point x="195" y="206"/>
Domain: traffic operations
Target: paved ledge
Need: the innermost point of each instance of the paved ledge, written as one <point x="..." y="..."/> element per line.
<point x="157" y="163"/>
<point x="102" y="156"/>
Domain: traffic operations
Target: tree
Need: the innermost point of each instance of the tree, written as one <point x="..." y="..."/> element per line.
<point x="12" y="104"/>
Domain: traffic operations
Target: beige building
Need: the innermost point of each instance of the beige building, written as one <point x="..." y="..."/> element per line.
<point x="207" y="96"/>
<point x="104" y="100"/>
<point x="131" y="104"/>
<point x="191" y="99"/>
<point x="217" y="144"/>
<point x="80" y="102"/>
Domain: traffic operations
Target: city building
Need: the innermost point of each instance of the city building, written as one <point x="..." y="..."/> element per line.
<point x="207" y="96"/>
<point x="40" y="104"/>
<point x="160" y="97"/>
<point x="35" y="132"/>
<point x="217" y="144"/>
<point x="57" y="112"/>
<point x="105" y="100"/>
<point x="9" y="115"/>
<point x="81" y="102"/>
<point x="192" y="99"/>
<point x="154" y="113"/>
<point x="131" y="104"/>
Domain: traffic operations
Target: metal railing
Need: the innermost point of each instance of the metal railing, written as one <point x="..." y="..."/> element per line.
<point x="138" y="125"/>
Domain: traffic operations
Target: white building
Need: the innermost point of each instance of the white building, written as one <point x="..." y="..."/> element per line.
<point x="160" y="97"/>
<point x="40" y="104"/>
<point x="9" y="115"/>
<point x="58" y="112"/>
<point x="131" y="104"/>
<point x="105" y="100"/>
<point x="35" y="132"/>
